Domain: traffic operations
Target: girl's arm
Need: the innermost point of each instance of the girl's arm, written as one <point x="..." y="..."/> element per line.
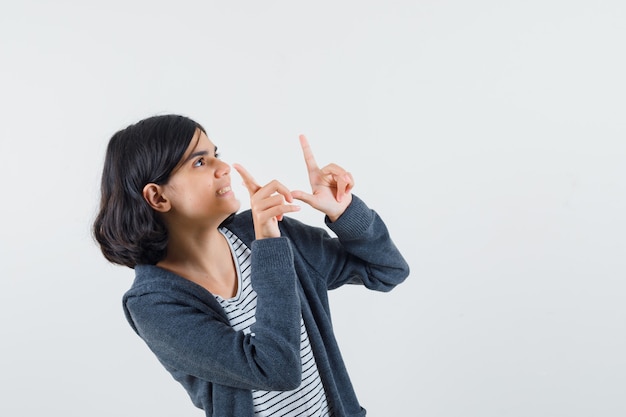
<point x="362" y="253"/>
<point x="183" y="325"/>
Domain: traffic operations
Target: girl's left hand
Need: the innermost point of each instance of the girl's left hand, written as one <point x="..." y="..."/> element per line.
<point x="331" y="186"/>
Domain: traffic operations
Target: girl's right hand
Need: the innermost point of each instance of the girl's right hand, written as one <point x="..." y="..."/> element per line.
<point x="267" y="204"/>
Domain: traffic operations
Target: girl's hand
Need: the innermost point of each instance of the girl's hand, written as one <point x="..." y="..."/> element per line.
<point x="267" y="204"/>
<point x="330" y="186"/>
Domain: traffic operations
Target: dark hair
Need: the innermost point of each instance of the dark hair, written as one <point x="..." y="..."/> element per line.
<point x="127" y="229"/>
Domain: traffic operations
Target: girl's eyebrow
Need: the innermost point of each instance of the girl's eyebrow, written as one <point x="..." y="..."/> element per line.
<point x="194" y="154"/>
<point x="199" y="153"/>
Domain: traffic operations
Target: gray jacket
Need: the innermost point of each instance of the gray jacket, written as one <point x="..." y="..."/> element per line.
<point x="188" y="331"/>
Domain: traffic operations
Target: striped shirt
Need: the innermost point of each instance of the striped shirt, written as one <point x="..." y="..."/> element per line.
<point x="309" y="399"/>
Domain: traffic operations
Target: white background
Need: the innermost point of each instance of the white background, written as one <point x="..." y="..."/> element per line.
<point x="491" y="136"/>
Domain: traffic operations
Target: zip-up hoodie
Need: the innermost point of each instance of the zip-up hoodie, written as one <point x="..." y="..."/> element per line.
<point x="188" y="331"/>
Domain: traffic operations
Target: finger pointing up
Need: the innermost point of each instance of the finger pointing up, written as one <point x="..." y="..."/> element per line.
<point x="309" y="159"/>
<point x="248" y="180"/>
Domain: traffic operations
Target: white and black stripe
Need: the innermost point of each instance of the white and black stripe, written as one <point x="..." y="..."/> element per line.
<point x="309" y="399"/>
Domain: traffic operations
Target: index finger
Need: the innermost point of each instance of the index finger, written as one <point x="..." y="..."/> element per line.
<point x="309" y="159"/>
<point x="248" y="181"/>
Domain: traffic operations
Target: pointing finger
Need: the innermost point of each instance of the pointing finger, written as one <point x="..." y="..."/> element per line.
<point x="248" y="180"/>
<point x="309" y="159"/>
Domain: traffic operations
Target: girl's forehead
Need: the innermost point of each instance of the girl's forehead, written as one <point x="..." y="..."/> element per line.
<point x="206" y="140"/>
<point x="199" y="141"/>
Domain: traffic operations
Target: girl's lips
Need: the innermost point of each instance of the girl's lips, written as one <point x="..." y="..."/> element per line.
<point x="223" y="191"/>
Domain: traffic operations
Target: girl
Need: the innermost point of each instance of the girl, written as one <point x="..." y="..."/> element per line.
<point x="235" y="306"/>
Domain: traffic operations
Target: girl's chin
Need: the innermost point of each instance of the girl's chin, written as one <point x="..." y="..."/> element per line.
<point x="236" y="204"/>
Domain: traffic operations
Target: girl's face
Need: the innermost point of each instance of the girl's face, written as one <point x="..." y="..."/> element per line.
<point x="198" y="189"/>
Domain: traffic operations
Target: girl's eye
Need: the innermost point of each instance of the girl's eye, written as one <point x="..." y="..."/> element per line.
<point x="218" y="155"/>
<point x="199" y="162"/>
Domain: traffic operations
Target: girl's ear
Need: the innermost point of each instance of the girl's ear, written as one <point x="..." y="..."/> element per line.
<point x="153" y="194"/>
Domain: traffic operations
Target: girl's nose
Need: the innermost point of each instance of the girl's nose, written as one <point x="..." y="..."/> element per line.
<point x="222" y="169"/>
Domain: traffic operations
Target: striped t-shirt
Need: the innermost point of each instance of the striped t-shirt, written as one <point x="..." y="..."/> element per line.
<point x="309" y="399"/>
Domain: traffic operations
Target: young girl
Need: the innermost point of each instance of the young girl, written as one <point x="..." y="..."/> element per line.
<point x="235" y="306"/>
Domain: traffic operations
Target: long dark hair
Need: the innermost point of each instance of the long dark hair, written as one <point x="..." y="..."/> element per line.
<point x="127" y="229"/>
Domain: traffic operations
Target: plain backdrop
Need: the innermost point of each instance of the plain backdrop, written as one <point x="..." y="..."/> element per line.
<point x="490" y="135"/>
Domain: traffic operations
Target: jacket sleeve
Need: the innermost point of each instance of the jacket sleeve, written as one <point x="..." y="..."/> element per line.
<point x="189" y="337"/>
<point x="362" y="253"/>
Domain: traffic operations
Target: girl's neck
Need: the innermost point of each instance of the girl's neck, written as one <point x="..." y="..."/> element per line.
<point x="203" y="258"/>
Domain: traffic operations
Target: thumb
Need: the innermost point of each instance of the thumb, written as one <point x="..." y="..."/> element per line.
<point x="304" y="197"/>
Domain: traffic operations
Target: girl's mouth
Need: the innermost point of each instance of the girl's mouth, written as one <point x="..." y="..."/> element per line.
<point x="223" y="191"/>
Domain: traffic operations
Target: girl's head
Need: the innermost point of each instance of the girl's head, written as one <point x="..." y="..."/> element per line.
<point x="128" y="230"/>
